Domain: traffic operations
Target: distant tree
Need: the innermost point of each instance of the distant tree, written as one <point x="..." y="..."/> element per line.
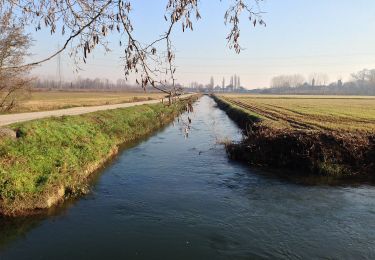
<point x="360" y="76"/>
<point x="212" y="82"/>
<point x="287" y="81"/>
<point x="296" y="80"/>
<point x="86" y="24"/>
<point x="121" y="83"/>
<point x="318" y="79"/>
<point x="14" y="45"/>
<point x="365" y="76"/>
<point x="371" y="76"/>
<point x="362" y="83"/>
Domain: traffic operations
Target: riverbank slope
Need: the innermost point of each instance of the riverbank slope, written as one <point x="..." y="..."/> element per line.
<point x="53" y="157"/>
<point x="305" y="150"/>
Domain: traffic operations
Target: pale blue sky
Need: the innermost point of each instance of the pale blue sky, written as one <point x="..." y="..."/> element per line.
<point x="336" y="37"/>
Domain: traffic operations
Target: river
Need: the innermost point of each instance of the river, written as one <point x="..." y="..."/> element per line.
<point x="170" y="197"/>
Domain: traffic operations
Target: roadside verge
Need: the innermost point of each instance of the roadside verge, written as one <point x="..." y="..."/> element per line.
<point x="53" y="157"/>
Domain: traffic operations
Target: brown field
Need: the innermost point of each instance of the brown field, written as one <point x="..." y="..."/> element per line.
<point x="327" y="136"/>
<point x="341" y="113"/>
<point x="50" y="100"/>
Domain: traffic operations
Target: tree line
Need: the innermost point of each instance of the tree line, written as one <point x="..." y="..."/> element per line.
<point x="360" y="83"/>
<point x="233" y="86"/>
<point x="84" y="83"/>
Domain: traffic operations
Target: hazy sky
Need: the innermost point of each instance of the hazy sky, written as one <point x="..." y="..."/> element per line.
<point x="336" y="37"/>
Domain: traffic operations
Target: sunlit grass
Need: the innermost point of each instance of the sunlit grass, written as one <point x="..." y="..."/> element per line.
<point x="58" y="153"/>
<point x="349" y="113"/>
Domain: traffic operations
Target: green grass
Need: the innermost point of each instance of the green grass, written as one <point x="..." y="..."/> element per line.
<point x="337" y="113"/>
<point x="61" y="152"/>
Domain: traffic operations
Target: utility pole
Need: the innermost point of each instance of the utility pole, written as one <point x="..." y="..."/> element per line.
<point x="59" y="73"/>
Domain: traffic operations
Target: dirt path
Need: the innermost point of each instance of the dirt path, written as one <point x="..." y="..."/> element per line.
<point x="22" y="117"/>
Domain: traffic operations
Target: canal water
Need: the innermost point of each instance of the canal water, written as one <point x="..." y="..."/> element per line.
<point x="174" y="198"/>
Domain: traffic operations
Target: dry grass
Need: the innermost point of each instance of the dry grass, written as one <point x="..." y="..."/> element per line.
<point x="50" y="100"/>
<point x="337" y="113"/>
<point x="322" y="136"/>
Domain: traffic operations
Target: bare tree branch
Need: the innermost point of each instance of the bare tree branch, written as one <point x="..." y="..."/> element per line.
<point x="14" y="45"/>
<point x="89" y="22"/>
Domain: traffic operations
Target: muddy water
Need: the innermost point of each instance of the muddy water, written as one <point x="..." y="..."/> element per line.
<point x="176" y="198"/>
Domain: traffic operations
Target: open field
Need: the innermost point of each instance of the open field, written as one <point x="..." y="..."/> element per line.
<point x="348" y="113"/>
<point x="50" y="100"/>
<point x="324" y="136"/>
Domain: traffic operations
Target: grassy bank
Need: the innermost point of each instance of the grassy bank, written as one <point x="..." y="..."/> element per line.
<point x="54" y="156"/>
<point x="306" y="146"/>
